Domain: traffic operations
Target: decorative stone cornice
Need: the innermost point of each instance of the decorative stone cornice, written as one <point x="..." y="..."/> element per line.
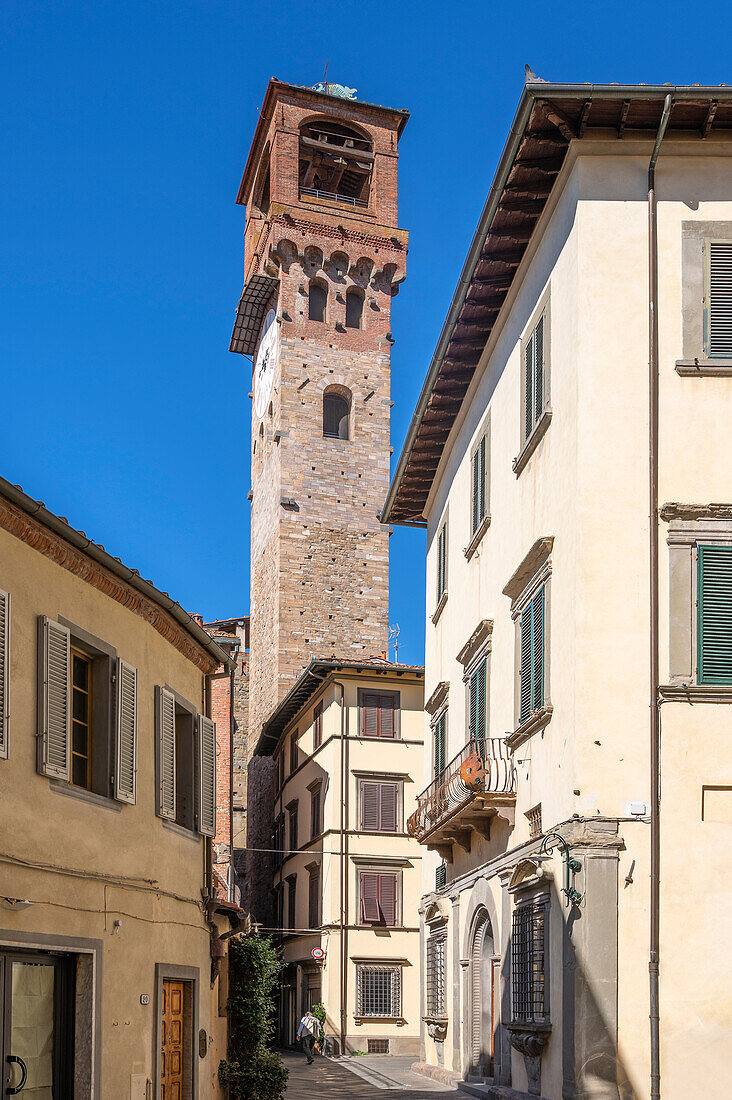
<point x="532" y="563"/>
<point x="438" y="697"/>
<point x="478" y="640"/>
<point x="674" y="510"/>
<point x="39" y="537"/>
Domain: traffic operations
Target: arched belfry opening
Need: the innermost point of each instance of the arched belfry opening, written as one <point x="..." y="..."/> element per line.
<point x="336" y="413"/>
<point x="336" y="162"/>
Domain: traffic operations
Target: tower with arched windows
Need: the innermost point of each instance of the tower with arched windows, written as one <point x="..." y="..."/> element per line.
<point x="324" y="258"/>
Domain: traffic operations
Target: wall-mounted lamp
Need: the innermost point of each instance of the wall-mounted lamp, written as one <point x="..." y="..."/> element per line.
<point x="571" y="865"/>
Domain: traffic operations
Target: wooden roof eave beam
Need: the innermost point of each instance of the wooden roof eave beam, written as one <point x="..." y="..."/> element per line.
<point x="558" y="119"/>
<point x="710" y="117"/>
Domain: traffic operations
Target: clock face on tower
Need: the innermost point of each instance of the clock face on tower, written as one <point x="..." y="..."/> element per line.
<point x="265" y="363"/>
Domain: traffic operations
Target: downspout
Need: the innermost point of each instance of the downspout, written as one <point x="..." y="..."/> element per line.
<point x="342" y="869"/>
<point x="653" y="961"/>
<point x="232" y="729"/>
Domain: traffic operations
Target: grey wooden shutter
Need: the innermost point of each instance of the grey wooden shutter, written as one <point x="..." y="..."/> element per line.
<point x="719" y="300"/>
<point x="389" y="797"/>
<point x="528" y="386"/>
<point x="125" y="771"/>
<point x="207" y="776"/>
<point x="370" y="715"/>
<point x="539" y="368"/>
<point x="166" y="753"/>
<point x="54" y="699"/>
<point x="387" y="898"/>
<point x="370" y="807"/>
<point x="369" y="897"/>
<point x="714" y="614"/>
<point x="4" y="673"/>
<point x="387" y="716"/>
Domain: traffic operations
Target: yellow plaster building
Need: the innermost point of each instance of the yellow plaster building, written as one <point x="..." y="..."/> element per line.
<point x="347" y="743"/>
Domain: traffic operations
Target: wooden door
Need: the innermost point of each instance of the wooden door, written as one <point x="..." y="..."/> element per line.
<point x="172" y="1054"/>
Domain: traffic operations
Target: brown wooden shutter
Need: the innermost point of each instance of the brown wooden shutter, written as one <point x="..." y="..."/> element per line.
<point x="4" y="673"/>
<point x="387" y="898"/>
<point x="54" y="700"/>
<point x="370" y="807"/>
<point x="370" y="715"/>
<point x="389" y="799"/>
<point x="370" y="913"/>
<point x="387" y="716"/>
<point x="314" y="898"/>
<point x="318" y="726"/>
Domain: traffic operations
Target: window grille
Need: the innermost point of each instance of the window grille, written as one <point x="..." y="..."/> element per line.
<point x="528" y="994"/>
<point x="531" y="674"/>
<point x="533" y="817"/>
<point x="379" y="991"/>
<point x="440" y="876"/>
<point x="534" y="373"/>
<point x="377" y="1046"/>
<point x="436" y="975"/>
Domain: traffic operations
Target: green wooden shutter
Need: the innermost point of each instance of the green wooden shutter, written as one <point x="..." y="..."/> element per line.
<point x="4" y="673"/>
<point x="439" y="746"/>
<point x="207" y="776"/>
<point x="54" y="709"/>
<point x="526" y="663"/>
<point x="538" y="369"/>
<point x="482" y="481"/>
<point x="719" y="300"/>
<point x="477" y="705"/>
<point x="537" y="657"/>
<point x="474" y="521"/>
<point x="714" y="615"/>
<point x="125" y="771"/>
<point x="529" y="386"/>
<point x="441" y="562"/>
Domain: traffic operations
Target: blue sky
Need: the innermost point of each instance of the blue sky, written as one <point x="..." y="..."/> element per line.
<point x="126" y="128"/>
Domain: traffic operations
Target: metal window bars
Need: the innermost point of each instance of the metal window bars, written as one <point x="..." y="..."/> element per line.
<point x="528" y="1003"/>
<point x="436" y="975"/>
<point x="379" y="991"/>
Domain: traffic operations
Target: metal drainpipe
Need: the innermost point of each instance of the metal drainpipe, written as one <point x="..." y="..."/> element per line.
<point x="342" y="855"/>
<point x="232" y="728"/>
<point x="653" y="961"/>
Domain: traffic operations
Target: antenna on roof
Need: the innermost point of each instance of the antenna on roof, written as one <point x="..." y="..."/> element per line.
<point x="325" y="77"/>
<point x="394" y="639"/>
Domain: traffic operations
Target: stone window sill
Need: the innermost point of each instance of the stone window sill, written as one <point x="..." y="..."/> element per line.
<point x="697" y="693"/>
<point x="440" y="605"/>
<point x="536" y="721"/>
<point x="479" y="532"/>
<point x="538" y="433"/>
<point x="58" y="786"/>
<point x="181" y="831"/>
<point x="704" y="368"/>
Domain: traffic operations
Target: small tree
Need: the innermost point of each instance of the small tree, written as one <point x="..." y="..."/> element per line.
<point x="318" y="1012"/>
<point x="252" y="1071"/>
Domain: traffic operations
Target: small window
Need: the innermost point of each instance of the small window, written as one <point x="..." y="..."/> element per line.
<point x="379" y="899"/>
<point x="479" y="494"/>
<point x="380" y="806"/>
<point x="379" y="991"/>
<point x="291" y="901"/>
<point x="377" y="1046"/>
<point x="714" y="614"/>
<point x="436" y="975"/>
<point x="533" y="816"/>
<point x="534" y="376"/>
<point x="336" y="413"/>
<point x="293" y="829"/>
<point x="718" y="313"/>
<point x="354" y="308"/>
<point x="314" y="898"/>
<point x="529" y="1003"/>
<point x="442" y="563"/>
<point x="477" y="705"/>
<point x="294" y="755"/>
<point x="440" y="876"/>
<point x="317" y="302"/>
<point x="315" y="812"/>
<point x="379" y="714"/>
<point x="439" y="745"/>
<point x="531" y="672"/>
<point x="318" y="726"/>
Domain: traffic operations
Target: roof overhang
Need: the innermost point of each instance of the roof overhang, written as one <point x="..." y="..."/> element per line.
<point x="548" y="119"/>
<point x="250" y="312"/>
<point x="278" y="88"/>
<point x="309" y="683"/>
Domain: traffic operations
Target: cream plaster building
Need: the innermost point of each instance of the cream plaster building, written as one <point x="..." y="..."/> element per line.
<point x="112" y="961"/>
<point x="348" y="745"/>
<point x="528" y="461"/>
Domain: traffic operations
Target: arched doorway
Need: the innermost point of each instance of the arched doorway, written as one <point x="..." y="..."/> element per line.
<point x="482" y="997"/>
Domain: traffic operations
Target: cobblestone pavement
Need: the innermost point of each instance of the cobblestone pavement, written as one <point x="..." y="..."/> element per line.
<point x="327" y="1080"/>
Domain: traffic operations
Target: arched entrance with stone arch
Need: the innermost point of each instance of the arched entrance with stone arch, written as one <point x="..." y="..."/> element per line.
<point x="482" y="994"/>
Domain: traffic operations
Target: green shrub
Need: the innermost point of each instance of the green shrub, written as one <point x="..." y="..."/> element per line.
<point x="259" y="1076"/>
<point x="251" y="1071"/>
<point x="318" y="1012"/>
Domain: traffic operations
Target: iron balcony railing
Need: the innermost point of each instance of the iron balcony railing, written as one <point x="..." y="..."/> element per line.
<point x="331" y="196"/>
<point x="483" y="766"/>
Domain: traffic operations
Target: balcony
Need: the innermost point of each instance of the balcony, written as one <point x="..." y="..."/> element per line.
<point x="332" y="196"/>
<point x="476" y="786"/>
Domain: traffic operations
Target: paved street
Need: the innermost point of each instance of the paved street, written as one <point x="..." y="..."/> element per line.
<point x="334" y="1081"/>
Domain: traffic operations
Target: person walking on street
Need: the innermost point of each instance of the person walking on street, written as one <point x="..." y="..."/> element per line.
<point x="308" y="1031"/>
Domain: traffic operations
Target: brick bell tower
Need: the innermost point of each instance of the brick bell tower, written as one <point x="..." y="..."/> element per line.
<point x="323" y="260"/>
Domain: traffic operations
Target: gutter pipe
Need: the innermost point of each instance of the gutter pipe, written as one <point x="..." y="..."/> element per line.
<point x="655" y="754"/>
<point x="342" y="871"/>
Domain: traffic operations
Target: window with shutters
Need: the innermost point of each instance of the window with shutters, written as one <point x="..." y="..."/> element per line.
<point x="336" y="414"/>
<point x="718" y="299"/>
<point x="292" y="810"/>
<point x="185" y="763"/>
<point x="314" y="898"/>
<point x="436" y="976"/>
<point x="529" y="991"/>
<point x="315" y="811"/>
<point x="380" y="897"/>
<point x="87" y="712"/>
<point x="535" y="378"/>
<point x="318" y="726"/>
<point x="380" y="806"/>
<point x="379" y="714"/>
<point x="477" y="680"/>
<point x="441" y="566"/>
<point x="479" y="484"/>
<point x="291" y="901"/>
<point x="531" y="670"/>
<point x="439" y="743"/>
<point x="379" y="991"/>
<point x="4" y="674"/>
<point x="714" y="614"/>
<point x="185" y="768"/>
<point x="294" y="756"/>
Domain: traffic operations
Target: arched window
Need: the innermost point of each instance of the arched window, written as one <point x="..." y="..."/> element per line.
<point x="336" y="412"/>
<point x="336" y="162"/>
<point x="317" y="299"/>
<point x="354" y="308"/>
